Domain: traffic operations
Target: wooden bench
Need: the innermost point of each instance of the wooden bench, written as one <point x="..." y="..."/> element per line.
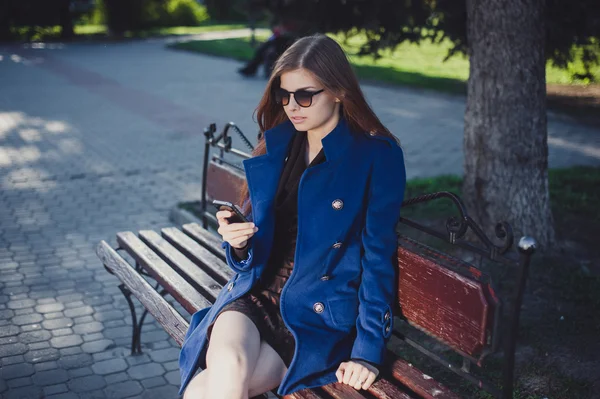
<point x="443" y="301"/>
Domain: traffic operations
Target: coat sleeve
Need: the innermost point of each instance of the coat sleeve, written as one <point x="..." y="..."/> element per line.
<point x="236" y="264"/>
<point x="377" y="289"/>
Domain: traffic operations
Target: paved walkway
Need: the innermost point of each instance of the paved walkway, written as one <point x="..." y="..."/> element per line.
<point x="99" y="138"/>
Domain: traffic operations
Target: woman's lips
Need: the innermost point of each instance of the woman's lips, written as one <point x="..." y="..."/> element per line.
<point x="297" y="119"/>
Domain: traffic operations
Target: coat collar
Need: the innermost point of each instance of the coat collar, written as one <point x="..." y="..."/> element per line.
<point x="335" y="144"/>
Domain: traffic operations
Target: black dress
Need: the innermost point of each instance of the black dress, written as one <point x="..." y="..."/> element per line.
<point x="261" y="303"/>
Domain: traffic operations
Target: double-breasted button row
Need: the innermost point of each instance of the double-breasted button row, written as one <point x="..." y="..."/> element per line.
<point x="387" y="318"/>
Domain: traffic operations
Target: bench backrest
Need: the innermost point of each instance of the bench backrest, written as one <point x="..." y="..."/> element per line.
<point x="450" y="300"/>
<point x="455" y="308"/>
<point x="223" y="182"/>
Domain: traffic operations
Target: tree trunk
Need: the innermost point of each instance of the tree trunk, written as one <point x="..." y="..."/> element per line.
<point x="505" y="142"/>
<point x="66" y="20"/>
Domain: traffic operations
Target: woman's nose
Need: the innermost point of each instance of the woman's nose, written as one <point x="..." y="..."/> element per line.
<point x="293" y="104"/>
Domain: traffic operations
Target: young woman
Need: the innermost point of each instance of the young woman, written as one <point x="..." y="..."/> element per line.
<point x="311" y="301"/>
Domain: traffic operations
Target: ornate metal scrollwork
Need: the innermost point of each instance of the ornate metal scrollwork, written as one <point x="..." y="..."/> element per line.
<point x="225" y="137"/>
<point x="457" y="226"/>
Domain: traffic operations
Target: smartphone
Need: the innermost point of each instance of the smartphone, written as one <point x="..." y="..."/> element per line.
<point x="238" y="216"/>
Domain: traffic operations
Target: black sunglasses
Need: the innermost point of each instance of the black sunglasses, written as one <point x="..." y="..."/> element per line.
<point x="302" y="97"/>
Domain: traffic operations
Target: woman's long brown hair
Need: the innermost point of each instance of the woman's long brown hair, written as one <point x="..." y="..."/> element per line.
<point x="326" y="60"/>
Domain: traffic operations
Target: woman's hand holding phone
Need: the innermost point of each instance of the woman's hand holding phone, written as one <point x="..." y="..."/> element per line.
<point x="236" y="234"/>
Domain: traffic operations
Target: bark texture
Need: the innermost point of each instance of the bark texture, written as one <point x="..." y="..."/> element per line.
<point x="505" y="142"/>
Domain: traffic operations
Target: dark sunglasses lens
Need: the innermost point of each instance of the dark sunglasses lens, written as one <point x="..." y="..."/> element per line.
<point x="282" y="97"/>
<point x="303" y="98"/>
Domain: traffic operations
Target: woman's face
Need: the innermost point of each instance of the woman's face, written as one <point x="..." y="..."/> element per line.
<point x="323" y="109"/>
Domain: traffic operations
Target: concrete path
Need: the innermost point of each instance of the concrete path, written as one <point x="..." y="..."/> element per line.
<point x="100" y="138"/>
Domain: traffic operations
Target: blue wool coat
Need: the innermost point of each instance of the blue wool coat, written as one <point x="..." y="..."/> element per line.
<point x="338" y="301"/>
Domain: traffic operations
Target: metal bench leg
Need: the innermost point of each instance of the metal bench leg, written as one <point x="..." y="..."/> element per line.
<point x="136" y="333"/>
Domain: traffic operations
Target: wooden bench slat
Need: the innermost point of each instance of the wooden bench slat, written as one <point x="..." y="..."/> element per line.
<point x="211" y="264"/>
<point x="207" y="286"/>
<point x="341" y="391"/>
<point x="205" y="238"/>
<point x="443" y="303"/>
<point x="305" y="394"/>
<point x="175" y="325"/>
<point x="419" y="382"/>
<point x="178" y="288"/>
<point x="223" y="182"/>
<point x="384" y="389"/>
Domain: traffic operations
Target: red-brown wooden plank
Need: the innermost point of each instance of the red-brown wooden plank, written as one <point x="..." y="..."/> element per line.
<point x="305" y="394"/>
<point x="442" y="302"/>
<point x="419" y="382"/>
<point x="223" y="182"/>
<point x="384" y="389"/>
<point x="338" y="390"/>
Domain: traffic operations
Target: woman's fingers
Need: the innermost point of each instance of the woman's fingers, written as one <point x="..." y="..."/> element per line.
<point x="222" y="217"/>
<point x="351" y="374"/>
<point x="340" y="371"/>
<point x="362" y="378"/>
<point x="370" y="379"/>
<point x="234" y="233"/>
<point x="356" y="375"/>
<point x="237" y="242"/>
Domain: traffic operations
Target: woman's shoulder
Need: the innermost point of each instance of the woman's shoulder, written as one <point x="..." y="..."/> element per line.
<point x="379" y="144"/>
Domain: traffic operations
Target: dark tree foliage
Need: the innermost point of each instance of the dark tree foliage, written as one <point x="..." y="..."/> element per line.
<point x="124" y="15"/>
<point x="391" y="22"/>
<point x="33" y="14"/>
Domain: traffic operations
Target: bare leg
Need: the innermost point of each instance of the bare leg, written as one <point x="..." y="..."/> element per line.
<point x="195" y="390"/>
<point x="231" y="357"/>
<point x="269" y="371"/>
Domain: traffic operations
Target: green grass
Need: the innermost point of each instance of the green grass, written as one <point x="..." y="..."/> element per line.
<point x="100" y="31"/>
<point x="238" y="49"/>
<point x="419" y="65"/>
<point x="577" y="191"/>
<point x="187" y="30"/>
<point x="84" y="30"/>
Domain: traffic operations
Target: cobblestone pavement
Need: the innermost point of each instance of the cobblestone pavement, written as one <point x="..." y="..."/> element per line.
<point x="100" y="138"/>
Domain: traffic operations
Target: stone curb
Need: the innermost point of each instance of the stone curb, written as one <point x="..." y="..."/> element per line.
<point x="180" y="216"/>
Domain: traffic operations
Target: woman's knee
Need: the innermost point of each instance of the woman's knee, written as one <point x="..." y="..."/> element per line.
<point x="193" y="393"/>
<point x="230" y="358"/>
<point x="196" y="388"/>
<point x="234" y="344"/>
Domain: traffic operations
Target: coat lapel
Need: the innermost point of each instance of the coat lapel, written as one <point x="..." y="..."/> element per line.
<point x="263" y="172"/>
